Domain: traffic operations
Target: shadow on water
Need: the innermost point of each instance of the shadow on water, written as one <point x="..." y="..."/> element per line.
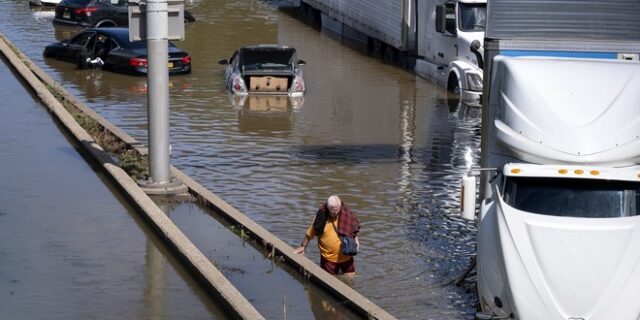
<point x="345" y="154"/>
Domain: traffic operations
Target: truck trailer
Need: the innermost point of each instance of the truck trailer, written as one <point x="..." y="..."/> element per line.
<point x="559" y="217"/>
<point x="438" y="40"/>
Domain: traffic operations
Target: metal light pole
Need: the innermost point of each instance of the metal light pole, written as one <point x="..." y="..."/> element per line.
<point x="157" y="35"/>
<point x="158" y="93"/>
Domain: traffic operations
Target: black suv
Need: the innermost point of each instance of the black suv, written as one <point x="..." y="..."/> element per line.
<point x="96" y="13"/>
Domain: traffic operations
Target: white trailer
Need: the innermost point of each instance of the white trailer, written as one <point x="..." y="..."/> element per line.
<point x="440" y="40"/>
<point x="559" y="219"/>
<point x="450" y="48"/>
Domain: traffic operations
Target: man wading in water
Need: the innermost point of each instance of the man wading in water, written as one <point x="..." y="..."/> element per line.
<point x="333" y="218"/>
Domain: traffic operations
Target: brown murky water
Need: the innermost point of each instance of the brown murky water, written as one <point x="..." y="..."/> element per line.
<point x="71" y="248"/>
<point x="384" y="140"/>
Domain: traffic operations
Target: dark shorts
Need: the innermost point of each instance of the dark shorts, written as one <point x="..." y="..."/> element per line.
<point x="348" y="266"/>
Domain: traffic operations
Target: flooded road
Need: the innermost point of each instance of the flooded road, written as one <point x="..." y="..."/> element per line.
<point x="384" y="140"/>
<point x="70" y="247"/>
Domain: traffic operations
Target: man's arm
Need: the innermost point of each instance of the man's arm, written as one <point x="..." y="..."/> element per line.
<point x="303" y="245"/>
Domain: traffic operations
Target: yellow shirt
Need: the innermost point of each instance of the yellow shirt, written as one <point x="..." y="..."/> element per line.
<point x="328" y="242"/>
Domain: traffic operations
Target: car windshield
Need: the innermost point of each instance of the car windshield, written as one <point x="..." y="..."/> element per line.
<point x="266" y="59"/>
<point x="473" y="17"/>
<point x="585" y="198"/>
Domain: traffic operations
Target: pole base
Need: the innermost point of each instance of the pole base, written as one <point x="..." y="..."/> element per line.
<point x="172" y="187"/>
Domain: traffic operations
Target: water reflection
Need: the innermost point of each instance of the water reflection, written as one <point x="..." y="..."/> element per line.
<point x="266" y="115"/>
<point x="266" y="103"/>
<point x="324" y="307"/>
<point x="43" y="13"/>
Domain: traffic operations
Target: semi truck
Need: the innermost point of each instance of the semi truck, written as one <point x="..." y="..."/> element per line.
<point x="438" y="40"/>
<point x="559" y="210"/>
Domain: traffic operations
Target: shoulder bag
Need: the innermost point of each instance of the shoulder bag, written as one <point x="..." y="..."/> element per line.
<point x="348" y="245"/>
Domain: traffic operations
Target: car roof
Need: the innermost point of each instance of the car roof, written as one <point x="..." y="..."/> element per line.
<point x="118" y="33"/>
<point x="121" y="36"/>
<point x="267" y="47"/>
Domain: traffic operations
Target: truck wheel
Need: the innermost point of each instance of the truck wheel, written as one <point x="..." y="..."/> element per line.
<point x="312" y="16"/>
<point x="376" y="47"/>
<point x="402" y="60"/>
<point x="453" y="86"/>
<point x="390" y="55"/>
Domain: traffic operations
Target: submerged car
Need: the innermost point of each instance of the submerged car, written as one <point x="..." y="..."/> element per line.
<point x="110" y="49"/>
<point x="97" y="13"/>
<point x="264" y="69"/>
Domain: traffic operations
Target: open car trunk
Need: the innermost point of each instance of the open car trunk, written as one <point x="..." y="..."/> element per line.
<point x="268" y="84"/>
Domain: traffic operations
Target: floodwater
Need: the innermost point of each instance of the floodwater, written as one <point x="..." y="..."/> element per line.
<point x="386" y="141"/>
<point x="71" y="248"/>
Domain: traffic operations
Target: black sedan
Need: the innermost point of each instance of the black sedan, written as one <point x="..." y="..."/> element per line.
<point x="97" y="13"/>
<point x="110" y="49"/>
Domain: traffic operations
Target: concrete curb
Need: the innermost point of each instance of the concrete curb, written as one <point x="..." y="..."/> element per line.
<point x="308" y="268"/>
<point x="233" y="301"/>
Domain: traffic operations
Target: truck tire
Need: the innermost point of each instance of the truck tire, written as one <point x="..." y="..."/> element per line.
<point x="390" y="55"/>
<point x="311" y="15"/>
<point x="453" y="86"/>
<point x="376" y="47"/>
<point x="402" y="60"/>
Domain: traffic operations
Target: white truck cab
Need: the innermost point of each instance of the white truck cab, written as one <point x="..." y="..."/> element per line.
<point x="559" y="216"/>
<point x="450" y="46"/>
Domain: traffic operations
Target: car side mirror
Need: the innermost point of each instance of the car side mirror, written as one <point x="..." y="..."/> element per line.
<point x="301" y="62"/>
<point x="223" y="62"/>
<point x="65" y="42"/>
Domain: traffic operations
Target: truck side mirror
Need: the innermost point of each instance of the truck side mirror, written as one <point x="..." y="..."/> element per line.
<point x="475" y="48"/>
<point x="440" y="19"/>
<point x="468" y="198"/>
<point x="223" y="62"/>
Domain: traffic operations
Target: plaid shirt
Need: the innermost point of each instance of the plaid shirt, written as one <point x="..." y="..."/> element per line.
<point x="348" y="224"/>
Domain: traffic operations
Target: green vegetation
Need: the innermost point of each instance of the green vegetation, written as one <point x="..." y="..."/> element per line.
<point x="129" y="159"/>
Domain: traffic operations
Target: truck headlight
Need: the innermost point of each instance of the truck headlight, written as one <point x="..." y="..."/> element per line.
<point x="475" y="81"/>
